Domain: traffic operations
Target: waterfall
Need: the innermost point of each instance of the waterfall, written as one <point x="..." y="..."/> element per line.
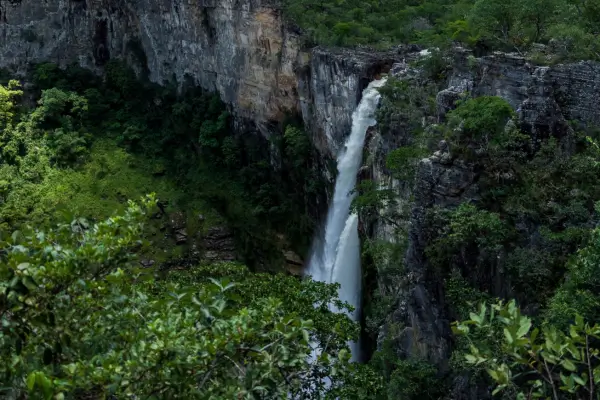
<point x="335" y="257"/>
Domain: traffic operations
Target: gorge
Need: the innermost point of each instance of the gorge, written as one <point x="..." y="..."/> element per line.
<point x="463" y="176"/>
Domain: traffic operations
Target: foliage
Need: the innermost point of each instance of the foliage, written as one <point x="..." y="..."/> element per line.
<point x="371" y="199"/>
<point x="34" y="151"/>
<point x="553" y="194"/>
<point x="404" y="106"/>
<point x="532" y="268"/>
<point x="181" y="145"/>
<point x="383" y="261"/>
<point x="479" y="24"/>
<point x="311" y="298"/>
<point x="409" y="379"/>
<point x="81" y="317"/>
<point x="8" y="94"/>
<point x="403" y="161"/>
<point x="386" y="262"/>
<point x="302" y="184"/>
<point x="573" y="42"/>
<point x="461" y="296"/>
<point x="544" y="189"/>
<point x="578" y="294"/>
<point x="414" y="379"/>
<point x="46" y="168"/>
<point x="434" y="65"/>
<point x="464" y="235"/>
<point x="538" y="363"/>
<point x="481" y="118"/>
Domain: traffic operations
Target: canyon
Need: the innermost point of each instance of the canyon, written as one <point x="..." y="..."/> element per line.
<point x="256" y="60"/>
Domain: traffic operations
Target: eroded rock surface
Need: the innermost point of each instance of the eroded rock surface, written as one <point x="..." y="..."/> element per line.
<point x="242" y="49"/>
<point x="546" y="99"/>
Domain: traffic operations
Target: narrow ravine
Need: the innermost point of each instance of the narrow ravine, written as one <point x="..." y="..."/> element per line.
<point x="336" y="253"/>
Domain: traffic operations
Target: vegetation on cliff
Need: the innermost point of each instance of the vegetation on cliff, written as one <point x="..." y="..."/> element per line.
<point x="517" y="229"/>
<point x="80" y="318"/>
<point x="91" y="144"/>
<point x="569" y="26"/>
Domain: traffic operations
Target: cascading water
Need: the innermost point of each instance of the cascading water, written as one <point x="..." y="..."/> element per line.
<point x="336" y="257"/>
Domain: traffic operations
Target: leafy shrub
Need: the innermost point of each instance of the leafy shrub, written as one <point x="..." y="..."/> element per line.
<point x="526" y="362"/>
<point x="409" y="379"/>
<point x="371" y="199"/>
<point x="434" y="65"/>
<point x="403" y="161"/>
<point x="83" y="320"/>
<point x="467" y="229"/>
<point x="577" y="294"/>
<point x="414" y="379"/>
<point x="481" y="118"/>
<point x="383" y="263"/>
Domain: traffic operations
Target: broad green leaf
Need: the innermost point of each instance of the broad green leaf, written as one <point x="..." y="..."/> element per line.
<point x="508" y="336"/>
<point x="524" y="326"/>
<point x="567" y="364"/>
<point x="471" y="358"/>
<point x="31" y="379"/>
<point x="579" y="380"/>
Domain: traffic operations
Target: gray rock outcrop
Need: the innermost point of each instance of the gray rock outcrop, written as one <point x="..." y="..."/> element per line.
<point x="546" y="99"/>
<point x="242" y="49"/>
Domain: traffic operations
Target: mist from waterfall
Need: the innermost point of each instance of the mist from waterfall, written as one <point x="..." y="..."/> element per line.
<point x="335" y="256"/>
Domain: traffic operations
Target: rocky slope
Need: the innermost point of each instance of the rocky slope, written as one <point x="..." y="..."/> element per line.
<point x="240" y="49"/>
<point x="546" y="99"/>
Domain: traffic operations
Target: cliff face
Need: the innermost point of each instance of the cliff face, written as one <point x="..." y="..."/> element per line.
<point x="242" y="49"/>
<point x="330" y="87"/>
<point x="546" y="99"/>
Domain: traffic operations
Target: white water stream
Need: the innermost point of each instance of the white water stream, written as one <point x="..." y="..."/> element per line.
<point x="336" y="257"/>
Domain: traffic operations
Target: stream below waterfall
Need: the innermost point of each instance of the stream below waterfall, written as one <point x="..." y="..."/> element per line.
<point x="335" y="256"/>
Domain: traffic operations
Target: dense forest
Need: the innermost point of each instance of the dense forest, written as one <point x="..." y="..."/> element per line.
<point x="570" y="27"/>
<point x="98" y="299"/>
<point x="79" y="155"/>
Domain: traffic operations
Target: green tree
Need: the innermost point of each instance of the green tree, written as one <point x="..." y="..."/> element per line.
<point x="578" y="293"/>
<point x="481" y="118"/>
<point x="79" y="317"/>
<point x="536" y="16"/>
<point x="8" y="94"/>
<point x="408" y="379"/>
<point x="465" y="232"/>
<point x="527" y="363"/>
<point x="496" y="19"/>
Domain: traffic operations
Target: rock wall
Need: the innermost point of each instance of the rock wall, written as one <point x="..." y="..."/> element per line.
<point x="242" y="49"/>
<point x="330" y="88"/>
<point x="546" y="100"/>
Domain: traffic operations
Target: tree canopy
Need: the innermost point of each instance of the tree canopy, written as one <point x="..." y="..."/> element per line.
<point x="80" y="316"/>
<point x="493" y="24"/>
